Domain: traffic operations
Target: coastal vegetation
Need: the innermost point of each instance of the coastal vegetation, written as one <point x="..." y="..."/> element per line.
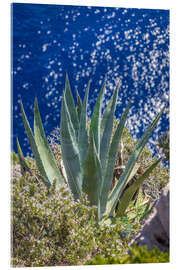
<point x="87" y="190"/>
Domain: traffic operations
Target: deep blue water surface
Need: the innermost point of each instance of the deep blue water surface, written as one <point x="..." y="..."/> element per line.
<point x="89" y="42"/>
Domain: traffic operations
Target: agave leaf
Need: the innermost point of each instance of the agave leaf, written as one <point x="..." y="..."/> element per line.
<point x="22" y="161"/>
<point x="108" y="127"/>
<point x="82" y="135"/>
<point x="133" y="172"/>
<point x="105" y="115"/>
<point x="108" y="206"/>
<point x="79" y="105"/>
<point x="47" y="157"/>
<point x="114" y="197"/>
<point x="108" y="176"/>
<point x="96" y="119"/>
<point x="34" y="148"/>
<point x="92" y="174"/>
<point x="129" y="193"/>
<point x="71" y="106"/>
<point x="70" y="152"/>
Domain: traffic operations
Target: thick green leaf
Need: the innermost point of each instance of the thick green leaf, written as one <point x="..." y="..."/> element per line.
<point x="132" y="174"/>
<point x="47" y="157"/>
<point x="92" y="175"/>
<point x="79" y="105"/>
<point x="108" y="176"/>
<point x="34" y="148"/>
<point x="129" y="193"/>
<point x="113" y="199"/>
<point x="109" y="210"/>
<point x="70" y="152"/>
<point x="71" y="107"/>
<point x="22" y="161"/>
<point x="83" y="136"/>
<point x="108" y="127"/>
<point x="105" y="115"/>
<point x="96" y="119"/>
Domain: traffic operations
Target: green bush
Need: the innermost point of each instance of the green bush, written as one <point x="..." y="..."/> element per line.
<point x="163" y="145"/>
<point x="143" y="255"/>
<point x="138" y="255"/>
<point x="45" y="224"/>
<point x="159" y="177"/>
<point x="49" y="228"/>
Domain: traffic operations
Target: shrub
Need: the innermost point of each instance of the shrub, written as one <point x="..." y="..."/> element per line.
<point x="163" y="145"/>
<point x="138" y="255"/>
<point x="159" y="177"/>
<point x="49" y="228"/>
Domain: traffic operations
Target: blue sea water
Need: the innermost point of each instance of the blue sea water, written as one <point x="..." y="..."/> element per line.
<point x="89" y="42"/>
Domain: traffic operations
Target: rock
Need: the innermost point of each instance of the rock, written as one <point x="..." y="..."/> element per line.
<point x="155" y="231"/>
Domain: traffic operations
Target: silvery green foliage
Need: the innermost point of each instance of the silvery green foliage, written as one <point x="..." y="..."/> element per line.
<point x="89" y="154"/>
<point x="43" y="155"/>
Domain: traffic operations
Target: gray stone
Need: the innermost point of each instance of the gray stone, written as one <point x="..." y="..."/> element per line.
<point x="155" y="231"/>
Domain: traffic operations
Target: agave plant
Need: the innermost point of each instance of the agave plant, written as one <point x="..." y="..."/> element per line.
<point x="44" y="157"/>
<point x="89" y="153"/>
